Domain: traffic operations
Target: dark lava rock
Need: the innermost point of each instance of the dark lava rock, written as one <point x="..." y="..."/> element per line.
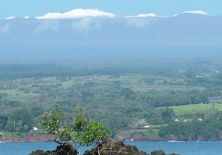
<point x="65" y="149"/>
<point x="161" y="152"/>
<point x="114" y="147"/>
<point x="158" y="152"/>
<point x="109" y="147"/>
<point x="38" y="152"/>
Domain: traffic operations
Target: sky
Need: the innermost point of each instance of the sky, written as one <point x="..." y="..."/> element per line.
<point x="34" y="8"/>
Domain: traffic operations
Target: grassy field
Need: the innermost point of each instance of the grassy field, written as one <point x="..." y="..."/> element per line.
<point x="195" y="108"/>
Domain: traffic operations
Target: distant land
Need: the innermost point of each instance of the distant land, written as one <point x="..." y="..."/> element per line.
<point x="143" y="77"/>
<point x="111" y="39"/>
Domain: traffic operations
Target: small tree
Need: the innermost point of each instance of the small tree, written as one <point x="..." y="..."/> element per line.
<point x="54" y="123"/>
<point x="80" y="131"/>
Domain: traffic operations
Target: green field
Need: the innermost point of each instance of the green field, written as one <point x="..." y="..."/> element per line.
<point x="195" y="108"/>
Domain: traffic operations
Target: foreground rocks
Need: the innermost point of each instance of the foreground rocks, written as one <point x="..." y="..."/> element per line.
<point x="110" y="147"/>
<point x="65" y="149"/>
<point x="161" y="152"/>
<point x="116" y="147"/>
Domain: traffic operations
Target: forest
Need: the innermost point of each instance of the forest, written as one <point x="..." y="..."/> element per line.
<point x="172" y="99"/>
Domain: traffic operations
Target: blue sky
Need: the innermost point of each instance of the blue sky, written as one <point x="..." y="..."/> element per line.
<point x="21" y="8"/>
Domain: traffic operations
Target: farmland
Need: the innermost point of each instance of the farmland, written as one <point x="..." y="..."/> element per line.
<point x="195" y="108"/>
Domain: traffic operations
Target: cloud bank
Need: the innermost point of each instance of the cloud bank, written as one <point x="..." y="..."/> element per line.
<point x="82" y="13"/>
<point x="200" y="12"/>
<point x="147" y="15"/>
<point x="77" y="13"/>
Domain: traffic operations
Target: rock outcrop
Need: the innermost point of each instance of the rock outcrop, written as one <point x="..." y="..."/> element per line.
<point x="158" y="152"/>
<point x="161" y="152"/>
<point x="65" y="149"/>
<point x="114" y="147"/>
<point x="109" y="147"/>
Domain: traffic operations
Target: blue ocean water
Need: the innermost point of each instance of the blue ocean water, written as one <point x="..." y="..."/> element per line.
<point x="183" y="148"/>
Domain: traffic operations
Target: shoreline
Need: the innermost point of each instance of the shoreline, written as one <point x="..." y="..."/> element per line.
<point x="25" y="140"/>
<point x="45" y="140"/>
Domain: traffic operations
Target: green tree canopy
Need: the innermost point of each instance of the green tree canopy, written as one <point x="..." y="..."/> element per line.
<point x="81" y="130"/>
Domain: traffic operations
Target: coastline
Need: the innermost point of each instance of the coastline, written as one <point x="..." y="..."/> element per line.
<point x="25" y="140"/>
<point x="44" y="139"/>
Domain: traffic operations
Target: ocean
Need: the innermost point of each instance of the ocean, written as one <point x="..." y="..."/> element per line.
<point x="182" y="148"/>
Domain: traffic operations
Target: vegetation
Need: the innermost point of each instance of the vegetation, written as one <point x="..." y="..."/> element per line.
<point x="194" y="108"/>
<point x="19" y="121"/>
<point x="206" y="129"/>
<point x="78" y="130"/>
<point x="119" y="96"/>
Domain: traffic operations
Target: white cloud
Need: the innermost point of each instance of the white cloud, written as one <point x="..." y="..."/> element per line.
<point x="141" y="20"/>
<point x="77" y="13"/>
<point x="201" y="12"/>
<point x="9" y="18"/>
<point x="26" y="17"/>
<point x="143" y="15"/>
<point x="147" y="15"/>
<point x="198" y="12"/>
